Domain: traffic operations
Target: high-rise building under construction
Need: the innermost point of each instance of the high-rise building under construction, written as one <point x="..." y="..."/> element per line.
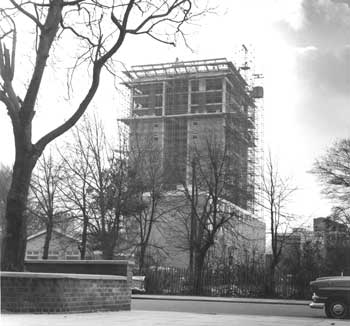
<point x="178" y="105"/>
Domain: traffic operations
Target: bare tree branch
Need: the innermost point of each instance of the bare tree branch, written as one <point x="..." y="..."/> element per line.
<point x="27" y="13"/>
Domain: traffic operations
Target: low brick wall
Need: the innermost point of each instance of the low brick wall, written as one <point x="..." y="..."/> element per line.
<point x="100" y="267"/>
<point x="56" y="293"/>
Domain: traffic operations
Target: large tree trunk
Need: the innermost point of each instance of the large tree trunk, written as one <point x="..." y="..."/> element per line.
<point x="107" y="252"/>
<point x="14" y="240"/>
<point x="199" y="258"/>
<point x="110" y="239"/>
<point x="108" y="246"/>
<point x="270" y="282"/>
<point x="49" y="228"/>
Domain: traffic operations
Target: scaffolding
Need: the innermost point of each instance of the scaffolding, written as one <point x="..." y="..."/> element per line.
<point x="246" y="66"/>
<point x="182" y="101"/>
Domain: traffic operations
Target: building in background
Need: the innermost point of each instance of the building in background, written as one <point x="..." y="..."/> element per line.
<point x="182" y="105"/>
<point x="324" y="224"/>
<point x="62" y="246"/>
<point x="334" y="241"/>
<point x="241" y="241"/>
<point x="178" y="109"/>
<point x="330" y="241"/>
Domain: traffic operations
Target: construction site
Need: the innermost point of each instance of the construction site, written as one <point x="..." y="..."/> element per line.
<point x="177" y="106"/>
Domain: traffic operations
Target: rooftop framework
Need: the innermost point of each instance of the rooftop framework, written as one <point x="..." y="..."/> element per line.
<point x="172" y="69"/>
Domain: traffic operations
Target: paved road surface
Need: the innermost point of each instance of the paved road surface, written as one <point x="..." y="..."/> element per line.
<point x="157" y="312"/>
<point x="160" y="318"/>
<point x="228" y="308"/>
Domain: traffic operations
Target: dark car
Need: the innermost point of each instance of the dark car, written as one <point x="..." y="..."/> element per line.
<point x="138" y="284"/>
<point x="333" y="294"/>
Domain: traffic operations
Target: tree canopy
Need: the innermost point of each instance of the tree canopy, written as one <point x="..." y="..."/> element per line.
<point x="333" y="171"/>
<point x="89" y="33"/>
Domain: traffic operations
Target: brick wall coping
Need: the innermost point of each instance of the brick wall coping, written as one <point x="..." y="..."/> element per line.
<point x="86" y="262"/>
<point x="62" y="276"/>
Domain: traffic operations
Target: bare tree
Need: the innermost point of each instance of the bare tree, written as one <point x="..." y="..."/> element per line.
<point x="206" y="210"/>
<point x="147" y="189"/>
<point x="99" y="29"/>
<point x="113" y="227"/>
<point x="276" y="194"/>
<point x="45" y="197"/>
<point x="341" y="214"/>
<point x="333" y="172"/>
<point x="97" y="188"/>
<point x="76" y="180"/>
<point x="102" y="175"/>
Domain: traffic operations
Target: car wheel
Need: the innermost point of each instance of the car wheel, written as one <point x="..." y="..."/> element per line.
<point x="336" y="309"/>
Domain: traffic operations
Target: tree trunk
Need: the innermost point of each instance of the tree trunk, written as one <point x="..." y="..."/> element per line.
<point x="271" y="284"/>
<point x="14" y="240"/>
<point x="49" y="227"/>
<point x="84" y="237"/>
<point x="110" y="238"/>
<point x="107" y="246"/>
<point x="107" y="252"/>
<point x="198" y="272"/>
<point x="142" y="258"/>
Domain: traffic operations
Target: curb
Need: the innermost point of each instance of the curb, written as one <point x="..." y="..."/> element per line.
<point x="220" y="299"/>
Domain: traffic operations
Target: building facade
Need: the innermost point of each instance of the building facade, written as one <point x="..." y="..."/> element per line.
<point x="62" y="246"/>
<point x="241" y="239"/>
<point x="191" y="111"/>
<point x="180" y="107"/>
<point x="329" y="240"/>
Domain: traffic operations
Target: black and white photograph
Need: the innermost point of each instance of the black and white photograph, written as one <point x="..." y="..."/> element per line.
<point x="175" y="162"/>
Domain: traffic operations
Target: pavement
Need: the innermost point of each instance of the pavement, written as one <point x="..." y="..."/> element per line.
<point x="157" y="318"/>
<point x="166" y="318"/>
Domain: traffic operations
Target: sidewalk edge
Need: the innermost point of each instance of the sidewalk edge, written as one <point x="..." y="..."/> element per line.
<point x="220" y="299"/>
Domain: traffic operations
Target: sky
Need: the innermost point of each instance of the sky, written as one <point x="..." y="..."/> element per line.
<point x="302" y="47"/>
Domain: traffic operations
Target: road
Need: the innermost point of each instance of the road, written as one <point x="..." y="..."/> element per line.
<point x="261" y="309"/>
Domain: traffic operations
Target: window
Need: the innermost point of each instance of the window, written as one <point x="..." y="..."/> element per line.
<point x="32" y="254"/>
<point x="141" y="102"/>
<point x="213" y="84"/>
<point x="214" y="97"/>
<point x="158" y="88"/>
<point x="195" y="98"/>
<point x="197" y="109"/>
<point x="159" y="100"/>
<point x="156" y="125"/>
<point x="148" y="89"/>
<point x="53" y="254"/>
<point x="72" y="255"/>
<point x="155" y="138"/>
<point x="195" y="85"/>
<point x="181" y="85"/>
<point x="195" y="123"/>
<point x="212" y="108"/>
<point x="194" y="136"/>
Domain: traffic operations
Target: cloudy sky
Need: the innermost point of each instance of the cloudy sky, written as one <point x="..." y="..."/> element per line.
<point x="303" y="49"/>
<point x="320" y="107"/>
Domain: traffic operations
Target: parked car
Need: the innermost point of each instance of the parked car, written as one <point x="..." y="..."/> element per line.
<point x="333" y="295"/>
<point x="138" y="284"/>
